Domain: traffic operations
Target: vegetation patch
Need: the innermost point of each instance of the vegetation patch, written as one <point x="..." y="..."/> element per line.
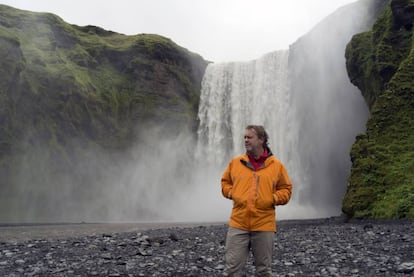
<point x="381" y="64"/>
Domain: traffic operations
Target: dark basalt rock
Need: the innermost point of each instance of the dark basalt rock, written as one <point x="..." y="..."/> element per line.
<point x="308" y="248"/>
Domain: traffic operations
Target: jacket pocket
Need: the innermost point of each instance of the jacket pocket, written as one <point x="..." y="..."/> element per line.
<point x="264" y="201"/>
<point x="239" y="203"/>
<point x="264" y="197"/>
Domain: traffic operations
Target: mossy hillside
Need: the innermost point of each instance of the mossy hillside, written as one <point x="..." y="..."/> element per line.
<point x="96" y="75"/>
<point x="61" y="82"/>
<point x="381" y="64"/>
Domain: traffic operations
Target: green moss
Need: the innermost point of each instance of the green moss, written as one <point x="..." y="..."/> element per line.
<point x="62" y="82"/>
<point x="381" y="184"/>
<point x="5" y="34"/>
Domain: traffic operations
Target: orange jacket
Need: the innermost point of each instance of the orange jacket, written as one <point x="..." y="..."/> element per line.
<point x="255" y="193"/>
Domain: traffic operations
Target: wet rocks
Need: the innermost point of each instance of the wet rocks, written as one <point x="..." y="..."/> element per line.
<point x="308" y="248"/>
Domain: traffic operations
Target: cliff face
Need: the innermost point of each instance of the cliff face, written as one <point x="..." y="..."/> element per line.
<point x="75" y="76"/>
<point x="381" y="64"/>
<point x="65" y="89"/>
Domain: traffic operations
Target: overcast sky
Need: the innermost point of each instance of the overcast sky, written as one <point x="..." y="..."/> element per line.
<point x="218" y="30"/>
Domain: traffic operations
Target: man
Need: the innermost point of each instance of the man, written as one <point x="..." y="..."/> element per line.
<point x="256" y="182"/>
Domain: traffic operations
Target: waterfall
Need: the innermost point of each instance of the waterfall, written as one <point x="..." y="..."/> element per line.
<point x="311" y="121"/>
<point x="236" y="94"/>
<point x="304" y="99"/>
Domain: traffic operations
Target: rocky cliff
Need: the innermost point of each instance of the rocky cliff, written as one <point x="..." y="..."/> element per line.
<point x="380" y="63"/>
<point x="66" y="89"/>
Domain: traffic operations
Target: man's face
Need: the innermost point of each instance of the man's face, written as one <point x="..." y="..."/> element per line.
<point x="251" y="142"/>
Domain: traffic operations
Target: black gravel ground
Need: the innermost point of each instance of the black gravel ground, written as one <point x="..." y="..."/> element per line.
<point x="302" y="248"/>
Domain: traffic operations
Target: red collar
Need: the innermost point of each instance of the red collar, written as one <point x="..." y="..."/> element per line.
<point x="258" y="163"/>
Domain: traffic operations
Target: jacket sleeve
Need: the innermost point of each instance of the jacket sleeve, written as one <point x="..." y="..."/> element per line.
<point x="282" y="190"/>
<point x="227" y="183"/>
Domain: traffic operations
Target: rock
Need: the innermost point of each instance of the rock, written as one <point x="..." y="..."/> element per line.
<point x="406" y="267"/>
<point x="314" y="248"/>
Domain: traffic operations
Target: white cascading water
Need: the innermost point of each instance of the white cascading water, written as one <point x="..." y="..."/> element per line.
<point x="237" y="94"/>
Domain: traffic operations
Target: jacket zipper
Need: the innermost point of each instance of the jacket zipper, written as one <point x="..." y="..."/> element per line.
<point x="252" y="197"/>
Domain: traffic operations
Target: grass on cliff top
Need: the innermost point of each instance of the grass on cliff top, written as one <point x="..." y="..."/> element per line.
<point x="69" y="52"/>
<point x="77" y="76"/>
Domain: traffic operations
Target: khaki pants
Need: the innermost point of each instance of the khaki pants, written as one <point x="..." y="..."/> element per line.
<point x="238" y="244"/>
